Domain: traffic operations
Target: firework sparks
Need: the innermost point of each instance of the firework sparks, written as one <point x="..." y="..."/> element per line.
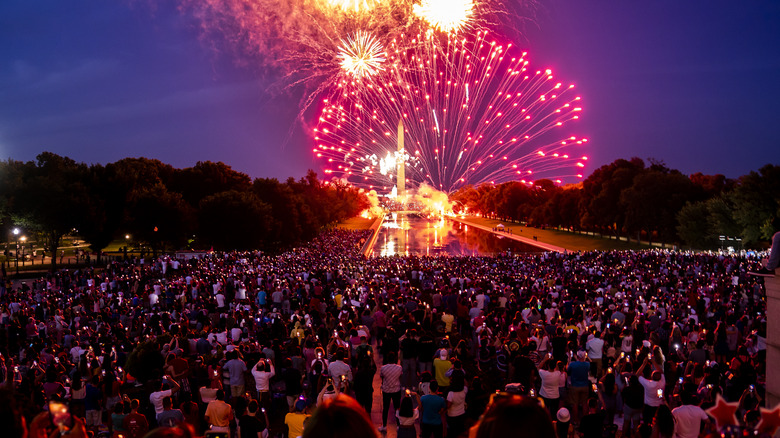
<point x="361" y="55"/>
<point x="446" y="15"/>
<point x="354" y="5"/>
<point x="480" y="114"/>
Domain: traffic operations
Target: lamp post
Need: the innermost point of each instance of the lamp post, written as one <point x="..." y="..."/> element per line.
<point x="23" y="239"/>
<point x="16" y="258"/>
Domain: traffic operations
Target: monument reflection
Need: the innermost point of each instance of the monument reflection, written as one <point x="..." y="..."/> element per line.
<point x="406" y="233"/>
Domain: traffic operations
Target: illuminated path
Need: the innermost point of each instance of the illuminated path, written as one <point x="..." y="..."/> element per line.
<point x="506" y="235"/>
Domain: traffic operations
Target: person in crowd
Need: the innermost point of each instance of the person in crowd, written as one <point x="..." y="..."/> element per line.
<point x="169" y="417"/>
<point x="219" y="414"/>
<point x="516" y="416"/>
<point x="688" y="417"/>
<point x="390" y="373"/>
<point x="432" y="410"/>
<point x="135" y="423"/>
<point x="562" y="424"/>
<point x="254" y="422"/>
<point x="578" y="372"/>
<point x="295" y="421"/>
<point x="103" y="331"/>
<point x="339" y="417"/>
<point x="407" y="415"/>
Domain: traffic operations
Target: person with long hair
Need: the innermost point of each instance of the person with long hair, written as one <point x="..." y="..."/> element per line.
<point x="407" y="415"/>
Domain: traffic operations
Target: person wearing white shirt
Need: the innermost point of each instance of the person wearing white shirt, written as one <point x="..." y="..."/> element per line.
<point x="262" y="372"/>
<point x="654" y="391"/>
<point x="688" y="417"/>
<point x="595" y="349"/>
<point x="551" y="378"/>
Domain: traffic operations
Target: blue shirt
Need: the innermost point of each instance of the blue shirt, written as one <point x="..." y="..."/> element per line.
<point x="579" y="373"/>
<point x="431" y="408"/>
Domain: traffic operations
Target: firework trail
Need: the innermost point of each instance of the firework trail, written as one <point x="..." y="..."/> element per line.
<point x="303" y="40"/>
<point x="478" y="113"/>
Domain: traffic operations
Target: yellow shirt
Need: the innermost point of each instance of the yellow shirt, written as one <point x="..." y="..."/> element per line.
<point x="294" y="421"/>
<point x="440" y="368"/>
<point x="448" y="319"/>
<point x="219" y="413"/>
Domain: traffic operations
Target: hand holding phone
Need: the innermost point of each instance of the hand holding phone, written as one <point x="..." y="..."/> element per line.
<point x="60" y="416"/>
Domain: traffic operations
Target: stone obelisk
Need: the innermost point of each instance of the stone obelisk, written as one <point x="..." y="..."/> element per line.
<point x="401" y="173"/>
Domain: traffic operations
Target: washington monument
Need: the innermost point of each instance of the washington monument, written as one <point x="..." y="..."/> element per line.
<point x="401" y="173"/>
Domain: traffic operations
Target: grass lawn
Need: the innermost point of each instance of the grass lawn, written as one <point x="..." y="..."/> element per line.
<point x="564" y="239"/>
<point x="356" y="223"/>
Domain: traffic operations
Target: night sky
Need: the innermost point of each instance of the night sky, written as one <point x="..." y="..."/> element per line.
<point x="694" y="83"/>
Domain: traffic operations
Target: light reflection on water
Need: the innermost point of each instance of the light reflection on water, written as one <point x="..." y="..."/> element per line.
<point x="412" y="234"/>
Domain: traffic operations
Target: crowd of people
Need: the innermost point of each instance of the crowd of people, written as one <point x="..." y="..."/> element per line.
<point x="593" y="344"/>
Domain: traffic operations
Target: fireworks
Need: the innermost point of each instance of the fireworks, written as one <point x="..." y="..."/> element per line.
<point x="353" y="5"/>
<point x="473" y="111"/>
<point x="446" y="15"/>
<point x="478" y="113"/>
<point x="361" y="55"/>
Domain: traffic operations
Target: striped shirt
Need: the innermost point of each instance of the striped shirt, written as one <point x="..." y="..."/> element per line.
<point x="391" y="377"/>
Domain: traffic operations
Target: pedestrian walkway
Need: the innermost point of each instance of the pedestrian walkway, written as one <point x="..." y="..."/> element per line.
<point x="376" y="407"/>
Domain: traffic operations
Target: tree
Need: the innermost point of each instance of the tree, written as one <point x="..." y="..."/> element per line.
<point x="601" y="193"/>
<point x="234" y="220"/>
<point x="158" y="216"/>
<point x="207" y="178"/>
<point x="103" y="210"/>
<point x="52" y="199"/>
<point x="694" y="226"/>
<point x="756" y="200"/>
<point x="653" y="201"/>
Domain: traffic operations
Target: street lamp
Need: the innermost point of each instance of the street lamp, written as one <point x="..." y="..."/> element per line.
<point x="23" y="239"/>
<point x="16" y="257"/>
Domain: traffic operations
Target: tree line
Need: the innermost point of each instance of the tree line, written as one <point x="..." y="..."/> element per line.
<point x="637" y="201"/>
<point x="209" y="205"/>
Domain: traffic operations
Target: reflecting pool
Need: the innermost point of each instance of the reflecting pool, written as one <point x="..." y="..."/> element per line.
<point x="405" y="233"/>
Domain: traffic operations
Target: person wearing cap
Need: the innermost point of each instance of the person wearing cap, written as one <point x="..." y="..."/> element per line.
<point x="295" y="420"/>
<point x="562" y="424"/>
<point x="441" y="365"/>
<point x="579" y="371"/>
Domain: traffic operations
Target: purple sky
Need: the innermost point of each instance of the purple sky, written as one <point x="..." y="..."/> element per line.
<point x="693" y="83"/>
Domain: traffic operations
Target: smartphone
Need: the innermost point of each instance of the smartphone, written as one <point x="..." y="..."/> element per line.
<point x="60" y="416"/>
<point x="660" y="393"/>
